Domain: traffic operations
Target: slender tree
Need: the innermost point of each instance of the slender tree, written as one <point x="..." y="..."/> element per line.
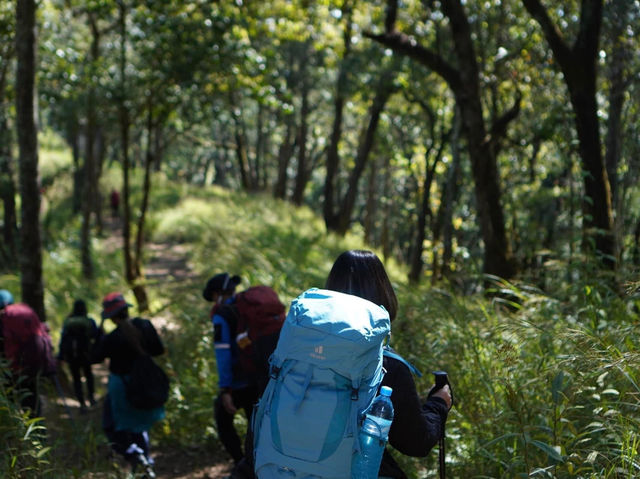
<point x="7" y="177"/>
<point x="26" y="112"/>
<point x="483" y="142"/>
<point x="579" y="65"/>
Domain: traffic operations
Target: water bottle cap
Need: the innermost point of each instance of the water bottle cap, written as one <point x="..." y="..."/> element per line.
<point x="386" y="391"/>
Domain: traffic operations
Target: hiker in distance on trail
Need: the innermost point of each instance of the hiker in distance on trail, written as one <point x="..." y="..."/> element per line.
<point x="246" y="327"/>
<point x="125" y="425"/>
<point x="26" y="344"/>
<point x="79" y="331"/>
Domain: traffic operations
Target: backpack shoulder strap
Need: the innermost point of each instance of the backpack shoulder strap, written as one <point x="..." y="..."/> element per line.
<point x="390" y="353"/>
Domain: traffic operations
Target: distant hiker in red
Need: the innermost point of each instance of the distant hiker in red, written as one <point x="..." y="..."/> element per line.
<point x="114" y="199"/>
<point x="25" y="342"/>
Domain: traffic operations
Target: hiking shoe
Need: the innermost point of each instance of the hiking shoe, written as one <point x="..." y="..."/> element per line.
<point x="146" y="466"/>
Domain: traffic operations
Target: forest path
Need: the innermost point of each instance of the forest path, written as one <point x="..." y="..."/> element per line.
<point x="168" y="264"/>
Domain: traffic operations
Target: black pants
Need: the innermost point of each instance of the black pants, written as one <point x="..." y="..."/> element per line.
<point x="243" y="399"/>
<point x="127" y="443"/>
<point x="77" y="369"/>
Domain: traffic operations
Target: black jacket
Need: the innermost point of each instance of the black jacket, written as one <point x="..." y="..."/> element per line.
<point x="121" y="352"/>
<point x="417" y="425"/>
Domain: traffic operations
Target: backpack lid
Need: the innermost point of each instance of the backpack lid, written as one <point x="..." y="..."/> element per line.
<point x="334" y="330"/>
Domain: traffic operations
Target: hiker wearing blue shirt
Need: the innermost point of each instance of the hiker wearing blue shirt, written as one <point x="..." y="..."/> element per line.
<point x="235" y="390"/>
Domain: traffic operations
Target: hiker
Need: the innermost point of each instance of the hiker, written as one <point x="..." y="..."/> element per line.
<point x="79" y="331"/>
<point x="417" y="425"/>
<point x="126" y="426"/>
<point x="25" y="342"/>
<point x="114" y="202"/>
<point x="236" y="390"/>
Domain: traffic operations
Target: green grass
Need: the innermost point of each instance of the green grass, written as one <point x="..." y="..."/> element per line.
<point x="546" y="385"/>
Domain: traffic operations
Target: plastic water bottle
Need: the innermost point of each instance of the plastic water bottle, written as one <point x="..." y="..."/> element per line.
<point x="373" y="436"/>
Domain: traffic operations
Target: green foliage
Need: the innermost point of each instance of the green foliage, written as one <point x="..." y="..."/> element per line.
<point x="546" y="385"/>
<point x="24" y="453"/>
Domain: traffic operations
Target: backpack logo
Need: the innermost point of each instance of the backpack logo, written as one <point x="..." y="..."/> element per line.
<point x="317" y="352"/>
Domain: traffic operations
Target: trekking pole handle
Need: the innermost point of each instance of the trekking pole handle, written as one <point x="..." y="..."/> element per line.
<point x="441" y="379"/>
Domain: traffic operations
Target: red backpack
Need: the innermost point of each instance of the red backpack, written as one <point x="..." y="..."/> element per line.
<point x="27" y="344"/>
<point x="258" y="315"/>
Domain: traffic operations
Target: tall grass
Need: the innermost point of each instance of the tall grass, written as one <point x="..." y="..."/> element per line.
<point x="546" y="383"/>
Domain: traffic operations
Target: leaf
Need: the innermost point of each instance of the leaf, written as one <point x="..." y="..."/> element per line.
<point x="552" y="451"/>
<point x="556" y="386"/>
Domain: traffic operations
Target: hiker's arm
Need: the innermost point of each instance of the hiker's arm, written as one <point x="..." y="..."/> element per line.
<point x="153" y="342"/>
<point x="416" y="426"/>
<point x="99" y="351"/>
<point x="222" y="346"/>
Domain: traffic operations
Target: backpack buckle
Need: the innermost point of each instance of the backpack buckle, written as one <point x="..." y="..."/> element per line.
<point x="275" y="371"/>
<point x="354" y="394"/>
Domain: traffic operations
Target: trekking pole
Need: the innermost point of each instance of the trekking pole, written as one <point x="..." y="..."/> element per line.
<point x="441" y="381"/>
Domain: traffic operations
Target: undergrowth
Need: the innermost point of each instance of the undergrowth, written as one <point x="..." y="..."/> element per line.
<point x="546" y="382"/>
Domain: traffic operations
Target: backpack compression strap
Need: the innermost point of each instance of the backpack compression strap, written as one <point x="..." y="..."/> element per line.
<point x="388" y="352"/>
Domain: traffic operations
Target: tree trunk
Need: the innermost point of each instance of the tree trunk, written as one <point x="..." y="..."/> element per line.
<point x="73" y="139"/>
<point x="302" y="176"/>
<point x="371" y="205"/>
<point x="284" y="159"/>
<point x="333" y="155"/>
<point x="579" y="67"/>
<point x="26" y="114"/>
<point x="7" y="179"/>
<point x="7" y="191"/>
<point x="384" y="90"/>
<point x="90" y="179"/>
<point x="450" y="197"/>
<point x="125" y="125"/>
<point x="261" y="141"/>
<point x="415" y="260"/>
<point x="386" y="207"/>
<point x="241" y="145"/>
<point x="143" y="304"/>
<point x="482" y="144"/>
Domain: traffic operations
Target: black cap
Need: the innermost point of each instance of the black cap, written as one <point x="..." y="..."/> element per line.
<point x="220" y="283"/>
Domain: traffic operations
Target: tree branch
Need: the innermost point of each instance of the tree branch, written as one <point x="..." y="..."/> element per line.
<point x="590" y="21"/>
<point x="405" y="45"/>
<point x="550" y="30"/>
<point x="499" y="126"/>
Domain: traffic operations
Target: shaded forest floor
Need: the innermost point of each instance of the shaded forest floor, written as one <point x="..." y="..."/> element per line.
<point x="166" y="263"/>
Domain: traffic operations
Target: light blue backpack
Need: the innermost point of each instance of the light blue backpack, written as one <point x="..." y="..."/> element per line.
<point x="325" y="371"/>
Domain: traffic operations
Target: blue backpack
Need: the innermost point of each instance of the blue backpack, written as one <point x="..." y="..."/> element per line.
<point x="325" y="371"/>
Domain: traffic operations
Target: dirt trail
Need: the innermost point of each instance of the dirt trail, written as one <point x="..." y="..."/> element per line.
<point x="167" y="263"/>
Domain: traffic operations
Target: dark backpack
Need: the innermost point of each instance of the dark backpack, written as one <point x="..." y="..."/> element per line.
<point x="27" y="343"/>
<point x="147" y="386"/>
<point x="256" y="318"/>
<point x="76" y="339"/>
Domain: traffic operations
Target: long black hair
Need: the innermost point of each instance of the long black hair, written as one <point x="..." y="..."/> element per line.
<point x="362" y="274"/>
